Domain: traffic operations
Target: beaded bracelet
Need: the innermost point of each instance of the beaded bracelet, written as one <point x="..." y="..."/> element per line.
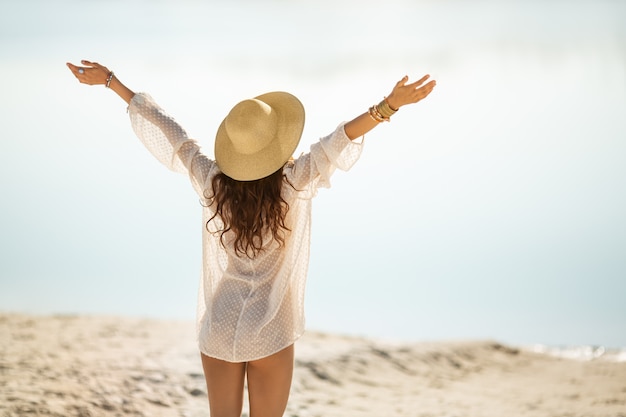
<point x="109" y="78"/>
<point x="376" y="116"/>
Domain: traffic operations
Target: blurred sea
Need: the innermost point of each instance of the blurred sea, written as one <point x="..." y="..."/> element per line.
<point x="494" y="209"/>
<point x="582" y="353"/>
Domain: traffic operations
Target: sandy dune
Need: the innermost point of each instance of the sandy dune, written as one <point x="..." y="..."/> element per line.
<point x="111" y="366"/>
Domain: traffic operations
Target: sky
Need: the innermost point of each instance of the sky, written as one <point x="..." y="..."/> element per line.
<point x="492" y="209"/>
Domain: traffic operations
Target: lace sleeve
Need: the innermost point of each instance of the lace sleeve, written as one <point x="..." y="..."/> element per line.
<point x="168" y="141"/>
<point x="313" y="170"/>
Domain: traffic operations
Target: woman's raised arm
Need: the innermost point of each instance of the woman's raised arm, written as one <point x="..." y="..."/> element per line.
<point x="401" y="95"/>
<point x="92" y="73"/>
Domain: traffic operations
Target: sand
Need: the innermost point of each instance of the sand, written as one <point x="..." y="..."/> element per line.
<point x="115" y="366"/>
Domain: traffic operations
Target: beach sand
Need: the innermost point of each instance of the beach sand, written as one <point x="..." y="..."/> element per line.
<point x="115" y="366"/>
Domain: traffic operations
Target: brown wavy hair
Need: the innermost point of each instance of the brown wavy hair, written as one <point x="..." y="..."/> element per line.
<point x="252" y="210"/>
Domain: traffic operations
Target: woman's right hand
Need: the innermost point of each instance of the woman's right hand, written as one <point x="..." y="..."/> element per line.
<point x="403" y="93"/>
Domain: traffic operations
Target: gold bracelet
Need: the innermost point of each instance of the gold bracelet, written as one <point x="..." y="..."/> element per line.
<point x="372" y="115"/>
<point x="376" y="116"/>
<point x="385" y="109"/>
<point x="387" y="101"/>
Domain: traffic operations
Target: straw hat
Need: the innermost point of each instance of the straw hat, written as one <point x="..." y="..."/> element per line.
<point x="259" y="135"/>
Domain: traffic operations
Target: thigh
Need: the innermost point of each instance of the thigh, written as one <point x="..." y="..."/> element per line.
<point x="224" y="382"/>
<point x="269" y="381"/>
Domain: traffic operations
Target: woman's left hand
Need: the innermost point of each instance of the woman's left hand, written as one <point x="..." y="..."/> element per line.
<point x="90" y="73"/>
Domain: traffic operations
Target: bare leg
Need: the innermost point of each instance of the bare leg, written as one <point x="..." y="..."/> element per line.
<point x="269" y="382"/>
<point x="224" y="382"/>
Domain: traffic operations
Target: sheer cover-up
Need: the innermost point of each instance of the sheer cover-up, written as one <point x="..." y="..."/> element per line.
<point x="247" y="308"/>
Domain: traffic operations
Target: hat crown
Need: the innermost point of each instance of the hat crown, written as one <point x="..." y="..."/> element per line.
<point x="251" y="126"/>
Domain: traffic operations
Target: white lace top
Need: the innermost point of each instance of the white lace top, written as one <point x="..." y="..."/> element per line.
<point x="247" y="308"/>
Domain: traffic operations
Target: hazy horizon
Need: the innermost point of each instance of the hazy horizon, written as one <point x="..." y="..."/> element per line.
<point x="493" y="209"/>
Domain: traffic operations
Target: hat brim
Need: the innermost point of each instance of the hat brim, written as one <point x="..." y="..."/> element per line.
<point x="248" y="167"/>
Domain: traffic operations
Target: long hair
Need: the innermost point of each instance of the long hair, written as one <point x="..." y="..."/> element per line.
<point x="254" y="211"/>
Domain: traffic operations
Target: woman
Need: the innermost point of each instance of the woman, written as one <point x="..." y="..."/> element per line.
<point x="257" y="209"/>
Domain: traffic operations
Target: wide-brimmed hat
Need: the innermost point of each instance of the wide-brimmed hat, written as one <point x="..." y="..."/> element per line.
<point x="259" y="136"/>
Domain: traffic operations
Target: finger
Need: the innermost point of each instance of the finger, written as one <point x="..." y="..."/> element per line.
<point x="90" y="64"/>
<point x="72" y="66"/>
<point x="428" y="85"/>
<point x="420" y="81"/>
<point x="425" y="90"/>
<point x="94" y="65"/>
<point x="402" y="81"/>
<point x="75" y="70"/>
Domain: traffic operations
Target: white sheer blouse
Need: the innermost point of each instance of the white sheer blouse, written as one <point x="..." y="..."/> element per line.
<point x="247" y="308"/>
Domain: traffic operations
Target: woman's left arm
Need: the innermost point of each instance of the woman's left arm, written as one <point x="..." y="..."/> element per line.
<point x="401" y="95"/>
<point x="158" y="131"/>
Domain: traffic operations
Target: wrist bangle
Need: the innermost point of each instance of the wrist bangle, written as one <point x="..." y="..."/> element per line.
<point x="376" y="116"/>
<point x="387" y="101"/>
<point x="109" y="78"/>
<point x="385" y="110"/>
<point x="372" y="116"/>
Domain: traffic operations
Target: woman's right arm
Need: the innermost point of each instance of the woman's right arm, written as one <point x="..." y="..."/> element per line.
<point x="92" y="73"/>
